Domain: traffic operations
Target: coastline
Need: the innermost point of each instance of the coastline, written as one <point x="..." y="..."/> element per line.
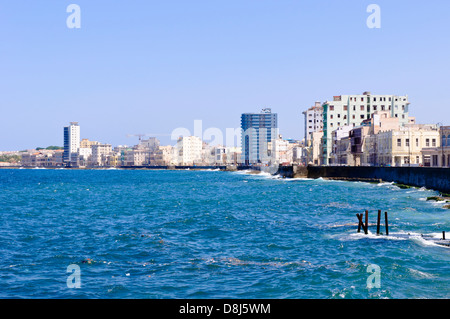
<point x="437" y="179"/>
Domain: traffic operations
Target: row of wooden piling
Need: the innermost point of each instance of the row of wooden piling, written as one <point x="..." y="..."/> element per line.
<point x="365" y="226"/>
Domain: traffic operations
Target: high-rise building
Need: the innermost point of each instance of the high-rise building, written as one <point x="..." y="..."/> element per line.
<point x="353" y="110"/>
<point x="258" y="129"/>
<point x="71" y="142"/>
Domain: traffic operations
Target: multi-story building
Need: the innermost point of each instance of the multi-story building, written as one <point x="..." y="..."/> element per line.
<point x="137" y="157"/>
<point x="100" y="153"/>
<point x="354" y="109"/>
<point x="42" y="158"/>
<point x="401" y="147"/>
<point x="279" y="151"/>
<point x="258" y="129"/>
<point x="313" y="121"/>
<point x="189" y="150"/>
<point x="438" y="155"/>
<point x="85" y="143"/>
<point x="163" y="156"/>
<point x="71" y="143"/>
<point x="382" y="141"/>
<point x="151" y="144"/>
<point x="84" y="155"/>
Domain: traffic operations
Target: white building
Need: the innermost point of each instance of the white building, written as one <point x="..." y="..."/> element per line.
<point x="84" y="155"/>
<point x="188" y="150"/>
<point x="313" y="121"/>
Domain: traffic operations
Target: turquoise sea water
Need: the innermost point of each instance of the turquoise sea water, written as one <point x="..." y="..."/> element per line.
<point x="211" y="234"/>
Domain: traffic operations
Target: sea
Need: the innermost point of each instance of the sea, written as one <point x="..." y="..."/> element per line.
<point x="207" y="234"/>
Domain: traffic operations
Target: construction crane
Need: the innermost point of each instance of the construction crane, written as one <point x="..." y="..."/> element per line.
<point x="139" y="135"/>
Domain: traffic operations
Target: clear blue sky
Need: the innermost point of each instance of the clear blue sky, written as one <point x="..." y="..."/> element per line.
<point x="152" y="66"/>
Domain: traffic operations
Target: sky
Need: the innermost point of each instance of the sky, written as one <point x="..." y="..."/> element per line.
<point x="149" y="67"/>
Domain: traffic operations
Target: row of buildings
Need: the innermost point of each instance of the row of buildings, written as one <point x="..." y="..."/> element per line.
<point x="372" y="130"/>
<point x="356" y="130"/>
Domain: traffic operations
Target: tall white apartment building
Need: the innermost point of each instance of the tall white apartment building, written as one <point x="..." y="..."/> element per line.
<point x="353" y="110"/>
<point x="313" y="121"/>
<point x="189" y="150"/>
<point x="71" y="142"/>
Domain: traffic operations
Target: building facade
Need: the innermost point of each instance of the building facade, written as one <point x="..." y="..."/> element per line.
<point x="438" y="156"/>
<point x="313" y="118"/>
<point x="354" y="109"/>
<point x="188" y="150"/>
<point x="258" y="129"/>
<point x="71" y="143"/>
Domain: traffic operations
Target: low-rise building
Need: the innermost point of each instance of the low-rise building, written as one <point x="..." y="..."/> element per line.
<point x="438" y="155"/>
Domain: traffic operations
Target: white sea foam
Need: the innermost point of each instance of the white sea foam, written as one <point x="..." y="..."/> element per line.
<point x="428" y="240"/>
<point x="420" y="274"/>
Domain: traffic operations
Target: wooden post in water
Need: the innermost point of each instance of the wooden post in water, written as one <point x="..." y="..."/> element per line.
<point x="367" y="222"/>
<point x="386" y="223"/>
<point x="378" y="222"/>
<point x="443" y="234"/>
<point x="359" y="223"/>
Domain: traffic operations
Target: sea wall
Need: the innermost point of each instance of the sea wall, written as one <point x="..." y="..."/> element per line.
<point x="428" y="177"/>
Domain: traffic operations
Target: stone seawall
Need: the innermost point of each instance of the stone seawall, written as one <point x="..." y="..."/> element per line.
<point x="431" y="178"/>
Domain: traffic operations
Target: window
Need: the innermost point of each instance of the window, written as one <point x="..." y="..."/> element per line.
<point x="331" y="116"/>
<point x="331" y="107"/>
<point x="374" y="107"/>
<point x="353" y="116"/>
<point x="362" y="107"/>
<point x="434" y="142"/>
<point x="417" y="159"/>
<point x="399" y="142"/>
<point x="407" y="142"/>
<point x="339" y="116"/>
<point x="406" y="159"/>
<point x="417" y="142"/>
<point x="362" y="116"/>
<point x="362" y="99"/>
<point x="345" y="107"/>
<point x="382" y="107"/>
<point x="434" y="160"/>
<point x="427" y="142"/>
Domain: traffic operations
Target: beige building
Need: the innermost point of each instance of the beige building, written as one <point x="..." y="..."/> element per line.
<point x="400" y="147"/>
<point x="100" y="153"/>
<point x="438" y="156"/>
<point x="163" y="156"/>
<point x="314" y="151"/>
<point x="354" y="110"/>
<point x="383" y="141"/>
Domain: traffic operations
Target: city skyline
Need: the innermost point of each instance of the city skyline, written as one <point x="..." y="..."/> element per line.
<point x="150" y="67"/>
